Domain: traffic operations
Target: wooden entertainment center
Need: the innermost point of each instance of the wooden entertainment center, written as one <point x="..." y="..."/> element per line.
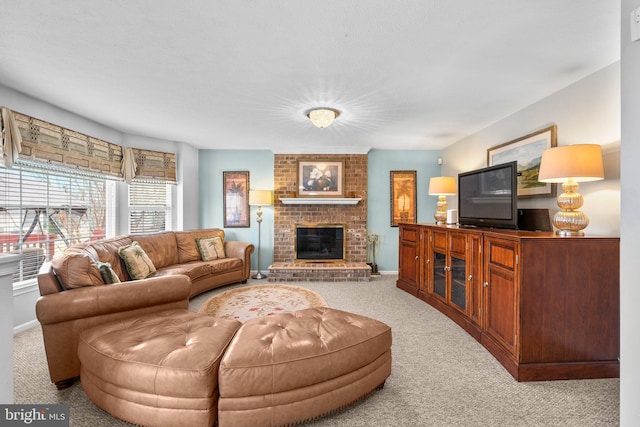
<point x="546" y="307"/>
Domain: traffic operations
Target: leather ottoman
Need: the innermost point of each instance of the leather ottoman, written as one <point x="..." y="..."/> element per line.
<point x="291" y="367"/>
<point x="159" y="369"/>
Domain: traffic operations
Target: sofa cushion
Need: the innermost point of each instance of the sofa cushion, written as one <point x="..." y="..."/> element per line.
<point x="211" y="248"/>
<point x="108" y="275"/>
<point x="194" y="270"/>
<point x="160" y="247"/>
<point x="186" y="241"/>
<point x="225" y="264"/>
<point x="137" y="261"/>
<point x="198" y="269"/>
<point x="75" y="270"/>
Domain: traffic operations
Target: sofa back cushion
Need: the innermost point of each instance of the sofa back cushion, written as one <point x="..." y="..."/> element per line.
<point x="187" y="246"/>
<point x="76" y="270"/>
<point x="106" y="250"/>
<point x="160" y="247"/>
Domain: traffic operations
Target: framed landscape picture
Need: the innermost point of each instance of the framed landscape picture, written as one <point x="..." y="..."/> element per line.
<point x="403" y="201"/>
<point x="320" y="178"/>
<point x="527" y="151"/>
<point x="236" y="199"/>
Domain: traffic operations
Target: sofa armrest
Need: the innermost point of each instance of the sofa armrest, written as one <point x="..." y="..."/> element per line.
<point x="91" y="301"/>
<point x="242" y="250"/>
<point x="48" y="283"/>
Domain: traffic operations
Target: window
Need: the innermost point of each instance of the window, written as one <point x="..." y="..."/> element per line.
<point x="43" y="211"/>
<point x="149" y="207"/>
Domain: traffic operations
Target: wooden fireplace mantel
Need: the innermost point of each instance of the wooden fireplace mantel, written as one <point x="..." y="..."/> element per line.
<point x="320" y="200"/>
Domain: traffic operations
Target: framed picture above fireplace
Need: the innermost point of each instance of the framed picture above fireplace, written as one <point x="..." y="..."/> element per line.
<point x="236" y="199"/>
<point x="403" y="197"/>
<point x="320" y="178"/>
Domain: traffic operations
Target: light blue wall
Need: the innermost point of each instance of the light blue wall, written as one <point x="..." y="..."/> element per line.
<point x="381" y="163"/>
<point x="260" y="166"/>
<point x="259" y="163"/>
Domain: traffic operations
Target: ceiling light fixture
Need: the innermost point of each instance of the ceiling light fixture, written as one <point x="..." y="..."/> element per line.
<point x="322" y="117"/>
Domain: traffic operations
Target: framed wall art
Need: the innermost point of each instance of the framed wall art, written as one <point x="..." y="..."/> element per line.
<point x="236" y="199"/>
<point x="404" y="207"/>
<point x="527" y="151"/>
<point x="320" y="178"/>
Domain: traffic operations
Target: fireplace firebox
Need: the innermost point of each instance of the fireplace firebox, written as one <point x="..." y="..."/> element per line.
<point x="319" y="242"/>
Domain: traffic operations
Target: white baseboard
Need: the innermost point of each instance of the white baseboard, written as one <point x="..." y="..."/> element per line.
<point x="24" y="326"/>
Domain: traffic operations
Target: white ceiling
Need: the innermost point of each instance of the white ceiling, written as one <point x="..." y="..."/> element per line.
<point x="409" y="74"/>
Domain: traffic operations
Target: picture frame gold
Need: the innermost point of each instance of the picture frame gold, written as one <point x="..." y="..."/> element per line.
<point x="403" y="201"/>
<point x="527" y="151"/>
<point x="320" y="178"/>
<point x="235" y="186"/>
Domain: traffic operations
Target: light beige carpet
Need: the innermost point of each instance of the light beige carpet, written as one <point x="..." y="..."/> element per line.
<point x="261" y="300"/>
<point x="440" y="376"/>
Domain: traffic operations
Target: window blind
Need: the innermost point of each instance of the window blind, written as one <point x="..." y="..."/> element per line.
<point x="44" y="211"/>
<point x="149" y="207"/>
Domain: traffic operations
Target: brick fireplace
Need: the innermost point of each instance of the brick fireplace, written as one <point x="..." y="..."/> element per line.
<point x="287" y="216"/>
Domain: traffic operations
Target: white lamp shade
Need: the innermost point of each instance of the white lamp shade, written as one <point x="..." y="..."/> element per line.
<point x="260" y="197"/>
<point x="580" y="162"/>
<point x="442" y="185"/>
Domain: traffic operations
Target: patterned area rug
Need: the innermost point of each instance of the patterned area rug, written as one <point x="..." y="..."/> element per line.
<point x="261" y="300"/>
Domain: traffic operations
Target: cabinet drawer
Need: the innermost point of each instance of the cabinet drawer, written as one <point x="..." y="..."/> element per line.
<point x="458" y="244"/>
<point x="502" y="253"/>
<point x="409" y="234"/>
<point x="439" y="240"/>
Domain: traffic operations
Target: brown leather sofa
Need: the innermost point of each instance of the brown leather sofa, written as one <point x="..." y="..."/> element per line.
<point x="74" y="296"/>
<point x="144" y="357"/>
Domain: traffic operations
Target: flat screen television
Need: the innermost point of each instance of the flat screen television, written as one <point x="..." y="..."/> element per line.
<point x="488" y="197"/>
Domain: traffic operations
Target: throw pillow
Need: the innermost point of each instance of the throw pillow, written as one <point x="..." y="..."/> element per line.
<point x="211" y="248"/>
<point x="108" y="275"/>
<point x="138" y="263"/>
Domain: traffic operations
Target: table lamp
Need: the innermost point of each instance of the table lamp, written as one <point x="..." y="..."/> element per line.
<point x="569" y="165"/>
<point x="442" y="186"/>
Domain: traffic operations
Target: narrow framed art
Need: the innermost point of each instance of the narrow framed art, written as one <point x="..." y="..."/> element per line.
<point x="527" y="151"/>
<point x="320" y="178"/>
<point x="404" y="207"/>
<point x="236" y="198"/>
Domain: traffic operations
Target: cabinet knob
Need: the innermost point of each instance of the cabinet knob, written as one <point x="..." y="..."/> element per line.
<point x="485" y="284"/>
<point x="447" y="268"/>
<point x="470" y="278"/>
<point x="416" y="257"/>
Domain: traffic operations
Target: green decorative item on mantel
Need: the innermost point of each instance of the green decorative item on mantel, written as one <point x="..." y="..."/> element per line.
<point x="373" y="240"/>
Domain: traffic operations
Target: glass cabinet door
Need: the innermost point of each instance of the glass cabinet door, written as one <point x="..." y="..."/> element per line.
<point x="439" y="274"/>
<point x="458" y="282"/>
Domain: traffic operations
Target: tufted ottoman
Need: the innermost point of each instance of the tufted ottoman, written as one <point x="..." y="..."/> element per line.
<point x="159" y="369"/>
<point x="292" y="367"/>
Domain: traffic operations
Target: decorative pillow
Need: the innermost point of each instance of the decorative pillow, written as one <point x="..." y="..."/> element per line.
<point x="211" y="248"/>
<point x="138" y="263"/>
<point x="108" y="275"/>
